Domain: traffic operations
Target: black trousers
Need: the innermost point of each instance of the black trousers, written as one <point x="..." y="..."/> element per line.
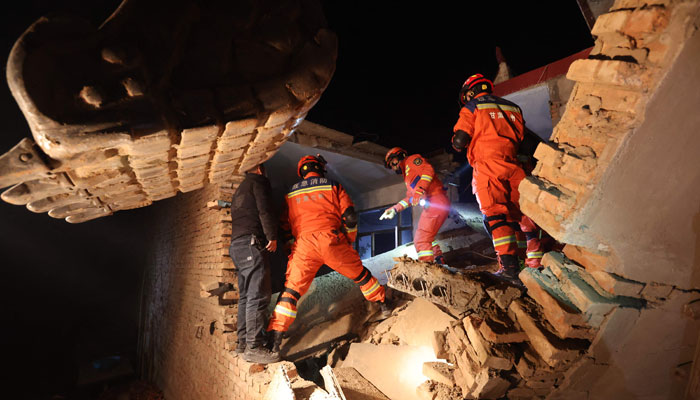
<point x="253" y="269"/>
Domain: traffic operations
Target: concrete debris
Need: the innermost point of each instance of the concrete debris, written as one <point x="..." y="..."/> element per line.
<point x="555" y="351"/>
<point x="432" y="390"/>
<point x="456" y="290"/>
<point x="440" y="345"/>
<point x="487" y="354"/>
<point x="280" y="387"/>
<point x="415" y="325"/>
<point x="497" y="327"/>
<point x="439" y="372"/>
<point x="560" y="312"/>
<point x="395" y="370"/>
<point x="355" y="386"/>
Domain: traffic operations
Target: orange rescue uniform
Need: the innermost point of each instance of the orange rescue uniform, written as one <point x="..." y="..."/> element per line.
<point x="421" y="182"/>
<point x="314" y="209"/>
<point x="495" y="126"/>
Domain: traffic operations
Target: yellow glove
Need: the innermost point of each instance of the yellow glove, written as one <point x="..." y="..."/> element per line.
<point x="389" y="213"/>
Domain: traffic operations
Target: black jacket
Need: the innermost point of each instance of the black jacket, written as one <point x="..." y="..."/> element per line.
<point x="251" y="209"/>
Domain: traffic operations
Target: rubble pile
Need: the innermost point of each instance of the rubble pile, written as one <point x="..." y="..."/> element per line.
<point x="509" y="340"/>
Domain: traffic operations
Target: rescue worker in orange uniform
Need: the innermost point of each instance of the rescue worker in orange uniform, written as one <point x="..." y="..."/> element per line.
<point x="323" y="222"/>
<point x="491" y="129"/>
<point x="423" y="188"/>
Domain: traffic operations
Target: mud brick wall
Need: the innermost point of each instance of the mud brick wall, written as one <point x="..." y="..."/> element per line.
<point x="189" y="311"/>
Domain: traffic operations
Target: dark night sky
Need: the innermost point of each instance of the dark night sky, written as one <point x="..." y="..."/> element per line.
<point x="70" y="291"/>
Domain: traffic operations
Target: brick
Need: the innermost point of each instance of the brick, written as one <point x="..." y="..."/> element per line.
<point x="547" y="153"/>
<point x="582" y="169"/>
<point x="530" y="189"/>
<point x="489" y="385"/>
<point x="611" y="72"/>
<point x="589" y="301"/>
<point x="440" y="345"/>
<point x="553" y="350"/>
<point x="647" y="20"/>
<point x="611" y="22"/>
<point x="485" y="353"/>
<point x="501" y="329"/>
<point x="439" y="372"/>
<point x="561" y="313"/>
<point x="589" y="259"/>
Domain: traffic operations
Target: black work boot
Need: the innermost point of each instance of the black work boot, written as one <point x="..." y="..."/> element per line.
<point x="260" y="355"/>
<point x="240" y="347"/>
<point x="510" y="268"/>
<point x="276" y="337"/>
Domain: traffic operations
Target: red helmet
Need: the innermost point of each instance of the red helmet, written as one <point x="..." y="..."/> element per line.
<point x="395" y="153"/>
<point x="311" y="164"/>
<point x="475" y="84"/>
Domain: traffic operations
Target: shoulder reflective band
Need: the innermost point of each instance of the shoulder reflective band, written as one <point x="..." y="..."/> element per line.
<point x="498" y="107"/>
<point x="307" y="190"/>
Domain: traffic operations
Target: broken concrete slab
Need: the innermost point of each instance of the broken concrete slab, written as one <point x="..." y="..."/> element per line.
<point x="455" y="290"/>
<point x="398" y="374"/>
<point x="416" y="324"/>
<point x="355" y="386"/>
<point x="280" y="387"/>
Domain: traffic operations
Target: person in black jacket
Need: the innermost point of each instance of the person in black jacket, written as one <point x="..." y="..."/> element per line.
<point x="253" y="236"/>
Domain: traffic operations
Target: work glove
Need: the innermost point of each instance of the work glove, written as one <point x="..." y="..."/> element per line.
<point x="389" y="213"/>
<point x="415" y="200"/>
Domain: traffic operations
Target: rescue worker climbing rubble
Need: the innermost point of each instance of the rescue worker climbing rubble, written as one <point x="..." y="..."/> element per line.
<point x="491" y="129"/>
<point x="323" y="221"/>
<point x="423" y="188"/>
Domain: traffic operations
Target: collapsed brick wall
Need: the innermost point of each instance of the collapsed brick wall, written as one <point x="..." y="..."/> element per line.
<point x="600" y="286"/>
<point x="189" y="312"/>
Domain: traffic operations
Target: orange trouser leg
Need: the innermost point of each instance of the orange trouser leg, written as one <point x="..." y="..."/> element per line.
<point x="492" y="186"/>
<point x="341" y="257"/>
<point x="301" y="270"/>
<point x="535" y="248"/>
<point x="431" y="219"/>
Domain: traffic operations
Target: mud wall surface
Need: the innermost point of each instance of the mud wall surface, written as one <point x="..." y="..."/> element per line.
<point x="648" y="203"/>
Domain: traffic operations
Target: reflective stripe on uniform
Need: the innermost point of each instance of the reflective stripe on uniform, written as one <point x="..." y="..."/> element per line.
<point x="403" y="204"/>
<point x="425" y="253"/>
<point x="351" y="230"/>
<point x="279" y="309"/>
<point x="435" y="243"/>
<point x="535" y="254"/>
<point x="504" y="240"/>
<point x="498" y="107"/>
<point x="426" y="178"/>
<point x="372" y="289"/>
<point x="309" y="190"/>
